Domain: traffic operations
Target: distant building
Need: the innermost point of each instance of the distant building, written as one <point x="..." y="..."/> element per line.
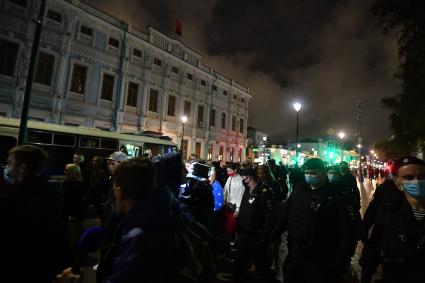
<point x="255" y="137"/>
<point x="96" y="71"/>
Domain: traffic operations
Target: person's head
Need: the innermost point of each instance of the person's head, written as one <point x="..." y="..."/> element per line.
<point x="72" y="173"/>
<point x="114" y="159"/>
<point x="249" y="177"/>
<point x="78" y="158"/>
<point x="344" y="168"/>
<point x="271" y="162"/>
<point x="410" y="176"/>
<point x="133" y="180"/>
<point x="315" y="172"/>
<point x="25" y="161"/>
<point x="264" y="174"/>
<point x="334" y="175"/>
<point x="232" y="169"/>
<point x="96" y="162"/>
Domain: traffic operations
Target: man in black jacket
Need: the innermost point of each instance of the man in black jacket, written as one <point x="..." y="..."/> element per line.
<point x="399" y="227"/>
<point x="255" y="222"/>
<point x="321" y="229"/>
<point x="32" y="225"/>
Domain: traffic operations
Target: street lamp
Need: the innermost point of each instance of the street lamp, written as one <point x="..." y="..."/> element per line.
<point x="297" y="107"/>
<point x="341" y="136"/>
<point x="264" y="149"/>
<point x="184" y="120"/>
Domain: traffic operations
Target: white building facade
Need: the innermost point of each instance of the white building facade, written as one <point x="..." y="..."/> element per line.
<point x="94" y="70"/>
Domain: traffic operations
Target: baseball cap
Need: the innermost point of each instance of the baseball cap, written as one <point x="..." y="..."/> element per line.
<point x="118" y="156"/>
<point x="406" y="160"/>
<point x="314" y="164"/>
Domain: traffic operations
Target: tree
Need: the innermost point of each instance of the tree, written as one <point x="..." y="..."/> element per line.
<point x="406" y="20"/>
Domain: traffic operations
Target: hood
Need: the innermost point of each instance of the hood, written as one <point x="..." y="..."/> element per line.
<point x="159" y="209"/>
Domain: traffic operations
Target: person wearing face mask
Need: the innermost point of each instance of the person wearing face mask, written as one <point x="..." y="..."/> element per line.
<point x="255" y="223"/>
<point x="399" y="227"/>
<point x="31" y="219"/>
<point x="321" y="228"/>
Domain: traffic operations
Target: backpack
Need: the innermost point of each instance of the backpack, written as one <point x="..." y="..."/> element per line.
<point x="195" y="254"/>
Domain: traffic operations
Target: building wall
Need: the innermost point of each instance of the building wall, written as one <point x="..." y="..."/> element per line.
<point x="81" y="37"/>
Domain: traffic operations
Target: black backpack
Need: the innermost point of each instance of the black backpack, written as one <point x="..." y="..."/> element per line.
<point x="195" y="252"/>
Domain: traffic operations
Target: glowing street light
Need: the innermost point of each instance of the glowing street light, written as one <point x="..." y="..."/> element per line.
<point x="297" y="107"/>
<point x="359" y="146"/>
<point x="341" y="135"/>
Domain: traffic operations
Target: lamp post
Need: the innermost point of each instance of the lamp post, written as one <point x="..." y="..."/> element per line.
<point x="297" y="107"/>
<point x="341" y="136"/>
<point x="184" y="120"/>
<point x="264" y="149"/>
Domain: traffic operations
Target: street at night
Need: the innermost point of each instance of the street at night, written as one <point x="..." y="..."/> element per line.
<point x="212" y="141"/>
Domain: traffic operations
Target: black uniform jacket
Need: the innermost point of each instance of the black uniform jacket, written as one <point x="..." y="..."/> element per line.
<point x="320" y="224"/>
<point x="256" y="213"/>
<point x="401" y="238"/>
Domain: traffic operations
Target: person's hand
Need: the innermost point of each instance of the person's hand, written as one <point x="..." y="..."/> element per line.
<point x="66" y="276"/>
<point x="236" y="214"/>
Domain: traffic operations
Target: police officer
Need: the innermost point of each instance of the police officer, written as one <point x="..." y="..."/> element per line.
<point x="321" y="229"/>
<point x="399" y="227"/>
<point x="255" y="222"/>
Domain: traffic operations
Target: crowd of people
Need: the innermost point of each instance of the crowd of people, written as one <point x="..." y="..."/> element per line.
<point x="161" y="220"/>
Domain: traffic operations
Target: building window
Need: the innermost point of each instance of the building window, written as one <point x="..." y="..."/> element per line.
<point x="8" y="56"/>
<point x="133" y="89"/>
<point x="186" y="108"/>
<point x="137" y="52"/>
<point x="198" y="149"/>
<point x="107" y="87"/>
<point x="189" y="76"/>
<point x="53" y="15"/>
<point x="225" y="92"/>
<point x="45" y="64"/>
<point x="22" y="3"/>
<point x="235" y="97"/>
<point x="221" y="153"/>
<point x="232" y="152"/>
<point x="203" y="83"/>
<point x="201" y="116"/>
<point x="157" y="62"/>
<point x="240" y="155"/>
<point x="171" y="111"/>
<point x="86" y="30"/>
<point x="210" y="152"/>
<point x="212" y="118"/>
<point x="241" y="126"/>
<point x="242" y="100"/>
<point x="214" y="88"/>
<point x="234" y="123"/>
<point x="153" y="100"/>
<point x="78" y="81"/>
<point x="114" y="42"/>
<point x="175" y="70"/>
<point x="223" y="120"/>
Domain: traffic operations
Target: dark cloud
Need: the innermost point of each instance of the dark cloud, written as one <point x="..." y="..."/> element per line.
<point x="327" y="54"/>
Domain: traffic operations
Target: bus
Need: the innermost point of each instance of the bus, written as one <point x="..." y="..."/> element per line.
<point x="61" y="142"/>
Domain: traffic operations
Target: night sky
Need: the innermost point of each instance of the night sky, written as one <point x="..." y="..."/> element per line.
<point x="326" y="54"/>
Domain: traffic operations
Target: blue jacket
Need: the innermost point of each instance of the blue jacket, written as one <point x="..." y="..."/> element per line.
<point x="144" y="248"/>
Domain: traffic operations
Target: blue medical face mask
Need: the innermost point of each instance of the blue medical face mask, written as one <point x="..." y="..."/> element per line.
<point x="333" y="178"/>
<point x="313" y="180"/>
<point x="415" y="188"/>
<point x="7" y="170"/>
